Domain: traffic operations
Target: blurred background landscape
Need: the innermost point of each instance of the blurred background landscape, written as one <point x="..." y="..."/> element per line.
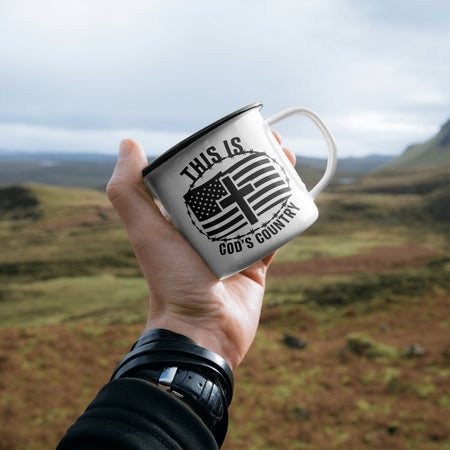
<point x="353" y="349"/>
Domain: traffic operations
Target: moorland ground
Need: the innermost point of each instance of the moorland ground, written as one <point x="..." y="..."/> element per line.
<point x="352" y="352"/>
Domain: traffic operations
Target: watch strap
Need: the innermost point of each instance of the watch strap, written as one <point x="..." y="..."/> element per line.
<point x="202" y="395"/>
<point x="165" y="348"/>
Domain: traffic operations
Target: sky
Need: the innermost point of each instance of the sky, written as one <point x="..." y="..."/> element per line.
<point x="79" y="76"/>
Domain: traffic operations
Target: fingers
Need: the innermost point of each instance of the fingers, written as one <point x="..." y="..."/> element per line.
<point x="288" y="153"/>
<point x="269" y="258"/>
<point x="277" y="136"/>
<point x="290" y="156"/>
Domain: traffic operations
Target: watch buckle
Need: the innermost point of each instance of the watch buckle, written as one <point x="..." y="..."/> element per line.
<point x="166" y="379"/>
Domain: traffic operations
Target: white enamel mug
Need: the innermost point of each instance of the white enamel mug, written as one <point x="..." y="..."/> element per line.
<point x="232" y="192"/>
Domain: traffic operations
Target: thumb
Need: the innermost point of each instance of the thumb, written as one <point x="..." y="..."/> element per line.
<point x="127" y="172"/>
<point x="126" y="190"/>
<point x="150" y="234"/>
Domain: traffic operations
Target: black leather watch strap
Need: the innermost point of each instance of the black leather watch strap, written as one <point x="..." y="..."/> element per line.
<point x="164" y="348"/>
<point x="202" y="395"/>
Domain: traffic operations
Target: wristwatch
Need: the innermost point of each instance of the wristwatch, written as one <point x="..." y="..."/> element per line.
<point x="203" y="395"/>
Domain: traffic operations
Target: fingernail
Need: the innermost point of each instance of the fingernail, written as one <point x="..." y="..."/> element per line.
<point x="125" y="148"/>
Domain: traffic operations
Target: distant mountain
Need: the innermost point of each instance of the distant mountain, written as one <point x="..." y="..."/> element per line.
<point x="434" y="152"/>
<point x="45" y="157"/>
<point x="349" y="164"/>
<point x="348" y="169"/>
<point x="61" y="169"/>
<point x="93" y="170"/>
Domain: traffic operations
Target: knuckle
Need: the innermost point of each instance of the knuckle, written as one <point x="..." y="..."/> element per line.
<point x="113" y="191"/>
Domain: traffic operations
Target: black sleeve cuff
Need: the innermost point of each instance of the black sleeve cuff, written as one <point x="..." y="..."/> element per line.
<point x="133" y="414"/>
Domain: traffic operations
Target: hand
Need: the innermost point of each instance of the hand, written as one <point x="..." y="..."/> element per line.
<point x="185" y="296"/>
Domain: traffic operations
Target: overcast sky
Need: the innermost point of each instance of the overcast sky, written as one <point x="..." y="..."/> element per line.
<point x="81" y="75"/>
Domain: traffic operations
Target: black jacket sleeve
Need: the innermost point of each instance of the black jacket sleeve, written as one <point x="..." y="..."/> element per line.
<point x="132" y="414"/>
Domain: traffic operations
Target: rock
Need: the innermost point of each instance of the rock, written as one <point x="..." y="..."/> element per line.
<point x="358" y="343"/>
<point x="299" y="413"/>
<point x="363" y="344"/>
<point x="414" y="351"/>
<point x="294" y="342"/>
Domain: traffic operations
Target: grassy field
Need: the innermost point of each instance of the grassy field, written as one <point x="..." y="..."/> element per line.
<point x="365" y="291"/>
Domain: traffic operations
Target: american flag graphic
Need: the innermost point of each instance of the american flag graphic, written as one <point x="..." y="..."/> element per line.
<point x="237" y="198"/>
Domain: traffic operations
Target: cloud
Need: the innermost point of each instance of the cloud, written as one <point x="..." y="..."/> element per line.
<point x="97" y="67"/>
<point x="16" y="137"/>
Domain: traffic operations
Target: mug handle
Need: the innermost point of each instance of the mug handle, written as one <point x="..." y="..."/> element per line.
<point x="331" y="143"/>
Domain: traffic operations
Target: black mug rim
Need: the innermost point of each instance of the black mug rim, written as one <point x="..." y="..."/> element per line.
<point x="158" y="161"/>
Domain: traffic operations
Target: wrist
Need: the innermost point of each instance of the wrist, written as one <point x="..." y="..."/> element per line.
<point x="209" y="339"/>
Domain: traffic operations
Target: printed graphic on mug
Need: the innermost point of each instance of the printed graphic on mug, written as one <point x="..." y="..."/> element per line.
<point x="238" y="202"/>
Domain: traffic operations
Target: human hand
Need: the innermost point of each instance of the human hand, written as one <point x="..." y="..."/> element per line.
<point x="185" y="296"/>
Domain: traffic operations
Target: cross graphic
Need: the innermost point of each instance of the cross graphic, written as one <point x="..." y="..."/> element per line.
<point x="237" y="196"/>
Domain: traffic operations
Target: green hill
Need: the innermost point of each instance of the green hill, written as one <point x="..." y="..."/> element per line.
<point x="422" y="169"/>
<point x="434" y="152"/>
<point x="34" y="201"/>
